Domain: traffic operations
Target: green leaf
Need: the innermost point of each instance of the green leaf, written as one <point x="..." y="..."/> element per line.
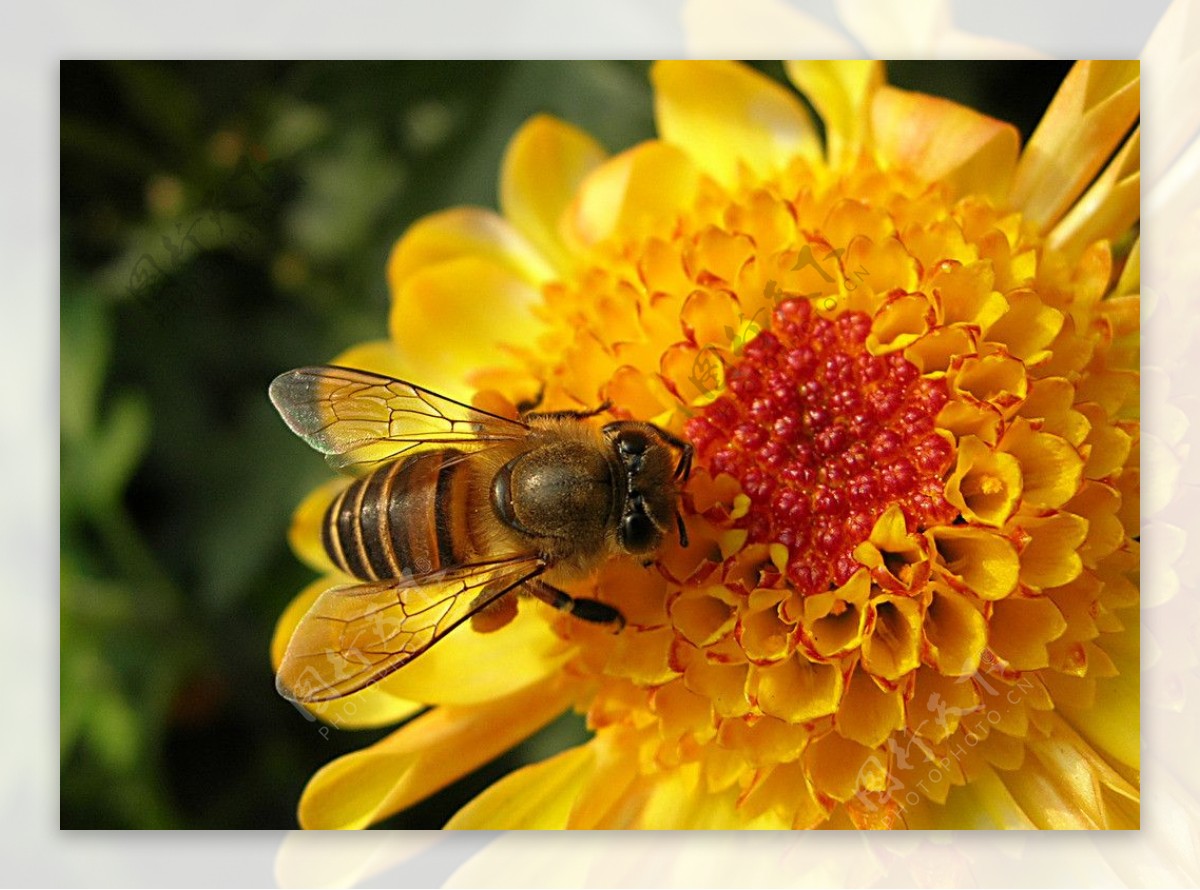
<point x="117" y="447"/>
<point x="85" y="334"/>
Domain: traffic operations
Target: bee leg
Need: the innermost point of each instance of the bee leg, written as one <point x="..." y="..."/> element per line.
<point x="568" y="415"/>
<point x="525" y="406"/>
<point x="593" y="611"/>
<point x="684" y="468"/>
<point x="489" y="612"/>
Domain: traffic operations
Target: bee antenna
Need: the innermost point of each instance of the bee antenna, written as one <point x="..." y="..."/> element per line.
<point x="683" y="538"/>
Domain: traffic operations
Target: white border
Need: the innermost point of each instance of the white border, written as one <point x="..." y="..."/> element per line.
<point x="35" y="853"/>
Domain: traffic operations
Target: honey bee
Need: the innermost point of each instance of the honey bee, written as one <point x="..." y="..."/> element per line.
<point x="456" y="509"/>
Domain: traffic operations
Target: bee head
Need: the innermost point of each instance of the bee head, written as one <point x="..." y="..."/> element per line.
<point x="645" y="454"/>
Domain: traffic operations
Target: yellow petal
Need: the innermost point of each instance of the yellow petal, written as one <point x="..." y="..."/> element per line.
<point x="722" y="684"/>
<point x="841" y="91"/>
<point x="539" y="796"/>
<point x="1098" y="504"/>
<point x="632" y="194"/>
<point x="835" y="765"/>
<point x="938" y="704"/>
<point x="763" y="740"/>
<point x="1072" y="785"/>
<point x="997" y="379"/>
<point x="1050" y="401"/>
<point x="678" y="799"/>
<point x="1021" y="628"/>
<point x="545" y="162"/>
<point x="451" y="318"/>
<point x="784" y="790"/>
<point x="761" y="631"/>
<point x="1130" y="281"/>
<point x="797" y="690"/>
<point x="1051" y="556"/>
<point x="304" y="534"/>
<point x="377" y="356"/>
<point x="1113" y="722"/>
<point x="1089" y="116"/>
<point x="1028" y="327"/>
<point x="900" y="323"/>
<point x="984" y="795"/>
<point x="869" y="714"/>
<point x="682" y="714"/>
<point x="603" y="800"/>
<point x="1109" y="208"/>
<point x="1110" y="445"/>
<point x="424" y="756"/>
<point x="643" y="656"/>
<point x="942" y="141"/>
<point x="460" y="669"/>
<point x="464" y="232"/>
<point x="726" y="116"/>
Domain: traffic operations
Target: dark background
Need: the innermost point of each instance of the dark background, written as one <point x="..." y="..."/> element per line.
<point x="222" y="223"/>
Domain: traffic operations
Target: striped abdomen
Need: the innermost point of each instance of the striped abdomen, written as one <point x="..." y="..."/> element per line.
<point x="409" y="517"/>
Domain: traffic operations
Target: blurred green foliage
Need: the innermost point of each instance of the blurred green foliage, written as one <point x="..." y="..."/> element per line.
<point x="221" y="223"/>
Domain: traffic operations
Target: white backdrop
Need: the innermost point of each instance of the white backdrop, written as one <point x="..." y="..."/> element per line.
<point x="34" y="852"/>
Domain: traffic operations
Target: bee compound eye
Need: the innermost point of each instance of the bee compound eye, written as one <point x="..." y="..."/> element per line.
<point x="632" y="442"/>
<point x="637" y="532"/>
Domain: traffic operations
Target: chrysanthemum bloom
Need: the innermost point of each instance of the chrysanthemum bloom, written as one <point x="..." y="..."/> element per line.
<point x="907" y="358"/>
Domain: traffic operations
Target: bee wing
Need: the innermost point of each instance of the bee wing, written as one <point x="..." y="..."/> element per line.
<point x="356" y="635"/>
<point x="359" y="420"/>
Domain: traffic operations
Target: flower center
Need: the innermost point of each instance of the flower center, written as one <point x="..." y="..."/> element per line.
<point x="824" y="436"/>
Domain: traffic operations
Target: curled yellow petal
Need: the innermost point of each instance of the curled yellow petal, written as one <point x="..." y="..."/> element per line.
<point x="833" y="622"/>
<point x="703" y="615"/>
<point x="1028" y="327"/>
<point x="797" y="690"/>
<point x="900" y="323"/>
<point x="785" y="791"/>
<point x="981" y="561"/>
<point x="955" y="633"/>
<point x="892" y="646"/>
<point x="938" y="704"/>
<point x="986" y="485"/>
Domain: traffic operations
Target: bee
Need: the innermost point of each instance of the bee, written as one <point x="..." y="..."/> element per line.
<point x="455" y="510"/>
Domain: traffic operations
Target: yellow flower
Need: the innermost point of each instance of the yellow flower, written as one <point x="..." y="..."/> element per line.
<point x="907" y="358"/>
